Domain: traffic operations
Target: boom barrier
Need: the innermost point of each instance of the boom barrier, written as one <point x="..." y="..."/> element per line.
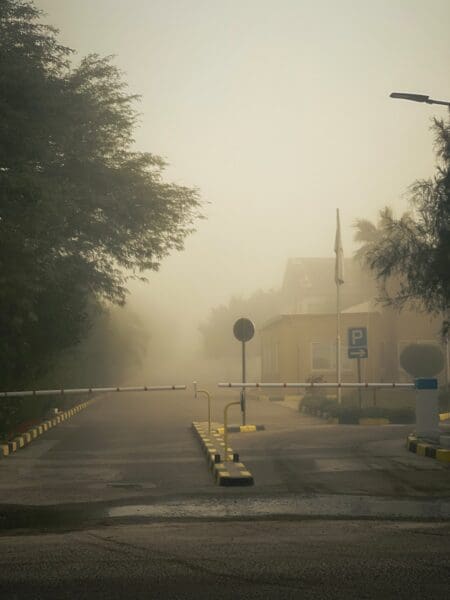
<point x="427" y="403"/>
<point x="317" y="385"/>
<point x="102" y="390"/>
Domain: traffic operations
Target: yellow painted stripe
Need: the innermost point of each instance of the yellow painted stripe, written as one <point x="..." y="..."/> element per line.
<point x="247" y="428"/>
<point x="246" y="473"/>
<point x="373" y="421"/>
<point x="19" y="441"/>
<point x="444" y="416"/>
<point x="12" y="446"/>
<point x="443" y="455"/>
<point x="27" y="437"/>
<point x="40" y="429"/>
<point x="421" y="449"/>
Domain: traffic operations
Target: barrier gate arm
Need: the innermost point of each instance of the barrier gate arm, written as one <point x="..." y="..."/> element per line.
<point x="63" y="392"/>
<point x="316" y="385"/>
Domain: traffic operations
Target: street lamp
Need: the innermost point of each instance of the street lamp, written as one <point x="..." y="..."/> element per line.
<point x="417" y="98"/>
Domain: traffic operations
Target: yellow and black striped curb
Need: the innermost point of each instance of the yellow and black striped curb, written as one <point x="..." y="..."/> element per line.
<point x="431" y="450"/>
<point x="241" y="428"/>
<point x="10" y="446"/>
<point x="227" y="473"/>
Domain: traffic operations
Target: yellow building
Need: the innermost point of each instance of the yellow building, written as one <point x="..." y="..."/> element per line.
<point x="301" y="345"/>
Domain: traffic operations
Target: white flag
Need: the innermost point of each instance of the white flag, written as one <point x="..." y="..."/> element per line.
<point x="339" y="266"/>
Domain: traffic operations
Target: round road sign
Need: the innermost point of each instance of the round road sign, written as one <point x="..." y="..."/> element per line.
<point x="243" y="330"/>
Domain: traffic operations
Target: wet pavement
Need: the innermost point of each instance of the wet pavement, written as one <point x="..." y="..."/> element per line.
<point x="134" y="458"/>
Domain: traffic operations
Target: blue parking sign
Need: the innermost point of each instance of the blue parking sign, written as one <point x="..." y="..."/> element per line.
<point x="357" y="342"/>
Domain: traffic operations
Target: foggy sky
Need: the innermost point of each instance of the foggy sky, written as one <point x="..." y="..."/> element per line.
<point x="279" y="113"/>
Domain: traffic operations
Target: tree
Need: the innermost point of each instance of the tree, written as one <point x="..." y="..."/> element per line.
<point x="414" y="250"/>
<point x="80" y="210"/>
<point x="115" y="347"/>
<point x="369" y="234"/>
<point x="422" y="360"/>
<point x="217" y="332"/>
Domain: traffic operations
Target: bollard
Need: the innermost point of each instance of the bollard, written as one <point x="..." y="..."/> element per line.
<point x="427" y="409"/>
<point x="225" y="428"/>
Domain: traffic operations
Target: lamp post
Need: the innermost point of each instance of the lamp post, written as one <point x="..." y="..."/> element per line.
<point x="417" y="98"/>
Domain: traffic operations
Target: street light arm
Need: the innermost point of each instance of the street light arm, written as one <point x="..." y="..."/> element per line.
<point x="417" y="98"/>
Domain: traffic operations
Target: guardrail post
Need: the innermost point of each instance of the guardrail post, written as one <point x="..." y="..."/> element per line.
<point x="427" y="409"/>
<point x="225" y="428"/>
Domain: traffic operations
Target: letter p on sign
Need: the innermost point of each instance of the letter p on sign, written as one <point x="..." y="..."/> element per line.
<point x="357" y="337"/>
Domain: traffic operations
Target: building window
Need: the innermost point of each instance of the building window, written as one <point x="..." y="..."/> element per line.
<point x="271" y="358"/>
<point x="323" y="356"/>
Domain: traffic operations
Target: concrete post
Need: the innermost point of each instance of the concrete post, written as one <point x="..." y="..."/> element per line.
<point x="427" y="409"/>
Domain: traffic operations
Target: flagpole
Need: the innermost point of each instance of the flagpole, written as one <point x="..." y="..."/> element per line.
<point x="339" y="279"/>
<point x="338" y="340"/>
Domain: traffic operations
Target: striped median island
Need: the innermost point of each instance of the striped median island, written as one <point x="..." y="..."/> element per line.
<point x="10" y="446"/>
<point x="422" y="448"/>
<point x="226" y="473"/>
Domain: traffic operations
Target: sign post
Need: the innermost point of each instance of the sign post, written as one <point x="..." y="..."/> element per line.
<point x="358" y="348"/>
<point x="243" y="331"/>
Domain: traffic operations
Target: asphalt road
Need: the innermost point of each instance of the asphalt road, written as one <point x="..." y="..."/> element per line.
<point x="231" y="560"/>
<point x="139" y="446"/>
<point x="118" y="503"/>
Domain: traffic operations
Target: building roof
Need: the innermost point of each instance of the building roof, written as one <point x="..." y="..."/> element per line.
<point x="314" y="278"/>
<point x="364" y="307"/>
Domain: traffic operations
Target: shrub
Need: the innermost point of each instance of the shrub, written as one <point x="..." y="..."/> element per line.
<point x="313" y="403"/>
<point x="352" y="414"/>
<point x="422" y="360"/>
<point x="347" y="415"/>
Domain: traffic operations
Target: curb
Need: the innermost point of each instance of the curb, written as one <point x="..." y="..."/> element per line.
<point x="231" y="473"/>
<point x="241" y="428"/>
<point x="22" y="440"/>
<point x="430" y="450"/>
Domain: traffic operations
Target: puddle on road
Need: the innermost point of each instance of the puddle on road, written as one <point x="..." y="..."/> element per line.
<point x="54" y="518"/>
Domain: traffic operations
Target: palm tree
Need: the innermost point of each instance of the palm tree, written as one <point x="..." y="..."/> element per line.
<point x="369" y="234"/>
